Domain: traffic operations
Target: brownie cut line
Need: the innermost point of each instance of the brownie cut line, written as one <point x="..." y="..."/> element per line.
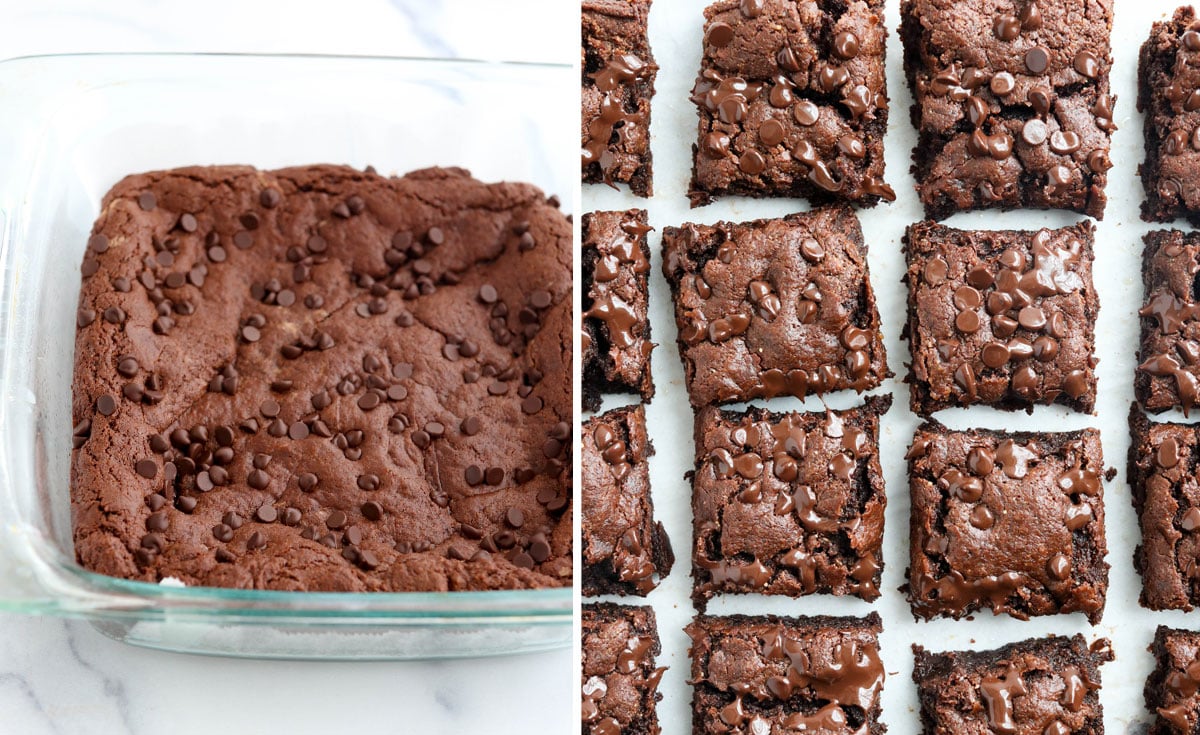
<point x="1004" y="318"/>
<point x="774" y="307"/>
<point x="1011" y="522"/>
<point x="788" y="503"/>
<point x="319" y="378"/>
<point x="625" y="551"/>
<point x="1040" y="686"/>
<point x="617" y="84"/>
<point x="615" y="268"/>
<point x="1011" y="103"/>
<point x="782" y="674"/>
<point x="619" y="689"/>
<point x="792" y="100"/>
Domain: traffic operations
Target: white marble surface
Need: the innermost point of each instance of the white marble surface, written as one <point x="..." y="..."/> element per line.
<point x="64" y="677"/>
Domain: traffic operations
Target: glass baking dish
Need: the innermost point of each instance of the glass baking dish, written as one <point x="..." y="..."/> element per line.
<point x="70" y="127"/>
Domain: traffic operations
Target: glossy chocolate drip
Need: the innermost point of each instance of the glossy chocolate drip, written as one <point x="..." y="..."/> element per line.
<point x="612" y="81"/>
<point x="998" y="694"/>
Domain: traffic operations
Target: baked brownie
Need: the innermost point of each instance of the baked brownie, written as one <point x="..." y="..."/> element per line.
<point x="757" y="674"/>
<point x="324" y="379"/>
<point x="1171" y="691"/>
<point x="1004" y="318"/>
<point x="774" y="307"/>
<point x="793" y="102"/>
<point x="615" y="264"/>
<point x="1169" y="94"/>
<point x="618" y="82"/>
<point x="1041" y="686"/>
<point x="620" y="681"/>
<point x="1013" y="522"/>
<point x="1162" y="475"/>
<point x="1011" y="103"/>
<point x="624" y="551"/>
<point x="788" y="503"/>
<point x="1168" y="372"/>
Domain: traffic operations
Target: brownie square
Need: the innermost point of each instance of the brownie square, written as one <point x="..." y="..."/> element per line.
<point x="324" y="379"/>
<point x="788" y="503"/>
<point x="1040" y="686"/>
<point x="757" y="674"/>
<point x="1012" y="522"/>
<point x="1168" y="78"/>
<point x="774" y="307"/>
<point x="792" y="100"/>
<point x="1004" y="318"/>
<point x="619" y="689"/>
<point x="1173" y="690"/>
<point x="1168" y="371"/>
<point x="1011" y="103"/>
<point x="618" y="82"/>
<point x="624" y="551"/>
<point x="1166" y="495"/>
<point x="615" y="264"/>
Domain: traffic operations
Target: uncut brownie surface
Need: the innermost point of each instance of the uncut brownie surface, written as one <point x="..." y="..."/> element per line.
<point x="1011" y="103"/>
<point x="1012" y="522"/>
<point x="324" y="379"/>
<point x="792" y="100"/>
<point x="1042" y="686"/>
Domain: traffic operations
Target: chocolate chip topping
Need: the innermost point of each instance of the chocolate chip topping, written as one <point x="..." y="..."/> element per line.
<point x="986" y="105"/>
<point x="617" y="83"/>
<point x="825" y="335"/>
<point x="1029" y="556"/>
<point x="1001" y="317"/>
<point x="787" y="111"/>
<point x="773" y="674"/>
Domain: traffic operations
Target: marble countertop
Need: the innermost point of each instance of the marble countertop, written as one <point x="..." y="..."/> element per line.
<point x="65" y="677"/>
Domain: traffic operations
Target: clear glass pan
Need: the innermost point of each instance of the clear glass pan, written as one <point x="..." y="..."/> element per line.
<point x="70" y="127"/>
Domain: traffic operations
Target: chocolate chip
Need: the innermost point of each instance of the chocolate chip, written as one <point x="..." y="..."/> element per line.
<point x="368" y="482"/>
<point x="368" y="400"/>
<point x="269" y="408"/>
<point x="249" y="220"/>
<point x="335" y="520"/>
<point x="269" y="198"/>
<point x="1037" y="59"/>
<point x="307" y="482"/>
<point x="515" y="517"/>
<point x="435" y="236"/>
<point x="540" y="299"/>
<point x="258" y="479"/>
<point x="494" y="475"/>
<point x="371" y="510"/>
<point x="147" y="201"/>
<point x="98" y="243"/>
<point x="298" y="430"/>
<point x="719" y="34"/>
<point x="243" y="239"/>
<point x="106" y="405"/>
<point x="147" y="468"/>
<point x="266" y="514"/>
<point x="256" y="541"/>
<point x="473" y="475"/>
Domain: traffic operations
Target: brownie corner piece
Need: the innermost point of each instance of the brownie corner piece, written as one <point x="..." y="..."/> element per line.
<point x="1001" y="317"/>
<point x="775" y="674"/>
<point x="1011" y="522"/>
<point x="618" y="81"/>
<point x="1161" y="456"/>
<point x="1013" y="108"/>
<point x="788" y="503"/>
<point x="774" y="307"/>
<point x="615" y="267"/>
<point x="1041" y="684"/>
<point x="1167" y="94"/>
<point x="625" y="552"/>
<point x="619" y="688"/>
<point x="792" y="102"/>
<point x="1168" y="370"/>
